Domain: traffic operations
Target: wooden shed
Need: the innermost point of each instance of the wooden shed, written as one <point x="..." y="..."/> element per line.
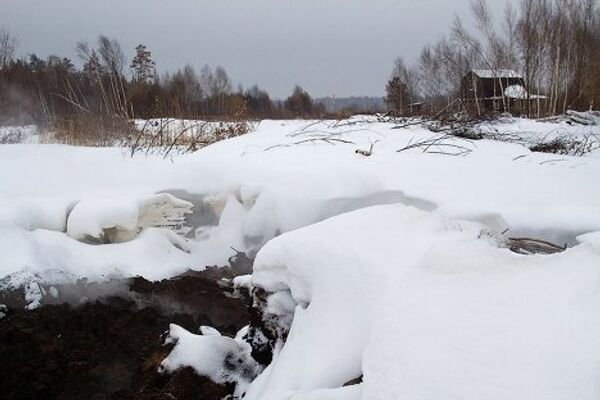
<point x="486" y="90"/>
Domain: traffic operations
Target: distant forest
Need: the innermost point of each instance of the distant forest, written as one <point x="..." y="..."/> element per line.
<point x="111" y="84"/>
<point x="553" y="44"/>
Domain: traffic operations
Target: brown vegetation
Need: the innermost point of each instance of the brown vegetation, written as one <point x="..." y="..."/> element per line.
<point x="94" y="104"/>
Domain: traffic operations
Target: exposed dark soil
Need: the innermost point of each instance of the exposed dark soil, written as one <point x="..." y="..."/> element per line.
<point x="110" y="348"/>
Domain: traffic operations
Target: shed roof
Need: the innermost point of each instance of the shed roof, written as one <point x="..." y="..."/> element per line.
<point x="500" y="73"/>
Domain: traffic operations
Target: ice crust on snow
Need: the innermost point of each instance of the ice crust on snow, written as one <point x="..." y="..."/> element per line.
<point x="428" y="307"/>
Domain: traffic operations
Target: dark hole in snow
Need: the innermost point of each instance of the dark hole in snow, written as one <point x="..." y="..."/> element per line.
<point x="355" y="381"/>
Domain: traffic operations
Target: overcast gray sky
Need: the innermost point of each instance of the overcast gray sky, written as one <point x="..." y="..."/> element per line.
<point x="330" y="47"/>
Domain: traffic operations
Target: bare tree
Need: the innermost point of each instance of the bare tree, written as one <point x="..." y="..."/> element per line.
<point x="440" y="70"/>
<point x="409" y="76"/>
<point x="111" y="55"/>
<point x="206" y="79"/>
<point x="529" y="40"/>
<point x="105" y="65"/>
<point x="184" y="91"/>
<point x="221" y="88"/>
<point x="492" y="52"/>
<point x="8" y="45"/>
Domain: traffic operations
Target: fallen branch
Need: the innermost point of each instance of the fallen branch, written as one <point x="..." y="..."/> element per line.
<point x="437" y="145"/>
<point x="331" y="141"/>
<point x="533" y="246"/>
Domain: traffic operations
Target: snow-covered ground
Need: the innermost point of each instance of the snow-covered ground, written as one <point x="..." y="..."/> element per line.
<point x="283" y="176"/>
<point x="425" y="307"/>
<point x="412" y="287"/>
<point x="537" y="132"/>
<point x="19" y="134"/>
<point x="172" y="127"/>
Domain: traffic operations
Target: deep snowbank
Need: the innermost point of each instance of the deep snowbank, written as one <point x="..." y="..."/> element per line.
<point x="426" y="307"/>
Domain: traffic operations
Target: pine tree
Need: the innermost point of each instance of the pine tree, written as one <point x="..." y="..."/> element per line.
<point x="397" y="95"/>
<point x="142" y="64"/>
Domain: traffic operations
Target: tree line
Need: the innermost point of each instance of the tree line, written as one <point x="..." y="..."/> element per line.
<point x="110" y="85"/>
<point x="553" y="44"/>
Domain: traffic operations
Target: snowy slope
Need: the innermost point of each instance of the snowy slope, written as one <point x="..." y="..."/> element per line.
<point x="428" y="308"/>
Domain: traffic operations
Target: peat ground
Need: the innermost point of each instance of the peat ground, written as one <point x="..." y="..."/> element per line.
<point x="110" y="347"/>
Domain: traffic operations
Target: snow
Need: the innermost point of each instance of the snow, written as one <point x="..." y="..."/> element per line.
<point x="526" y="132"/>
<point x="209" y="331"/>
<point x="592" y="239"/>
<point x="48" y="257"/>
<point x="501" y="73"/>
<point x="243" y="281"/>
<point x="520" y="93"/>
<point x="19" y="134"/>
<point x="282" y="176"/>
<point x="584" y="118"/>
<point x="91" y="218"/>
<point x="347" y="393"/>
<point x="429" y="307"/>
<point x="172" y="127"/>
<point x="390" y="266"/>
<point x="524" y="329"/>
<point x="30" y="213"/>
<point x="515" y="92"/>
<point x="217" y="357"/>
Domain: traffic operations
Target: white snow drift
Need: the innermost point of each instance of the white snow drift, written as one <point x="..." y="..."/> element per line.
<point x="427" y="308"/>
<point x="217" y="357"/>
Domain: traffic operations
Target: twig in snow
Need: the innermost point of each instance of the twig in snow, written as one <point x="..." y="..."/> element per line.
<point x="331" y="141"/>
<point x="438" y="145"/>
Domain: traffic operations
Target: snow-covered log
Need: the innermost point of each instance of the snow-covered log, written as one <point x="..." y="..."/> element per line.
<point x="584" y="118"/>
<point x="120" y="219"/>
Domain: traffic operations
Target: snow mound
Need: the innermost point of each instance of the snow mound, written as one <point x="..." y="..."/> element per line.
<point x="49" y="257"/>
<point x="428" y="307"/>
<point x="222" y="359"/>
<point x="32" y="213"/>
